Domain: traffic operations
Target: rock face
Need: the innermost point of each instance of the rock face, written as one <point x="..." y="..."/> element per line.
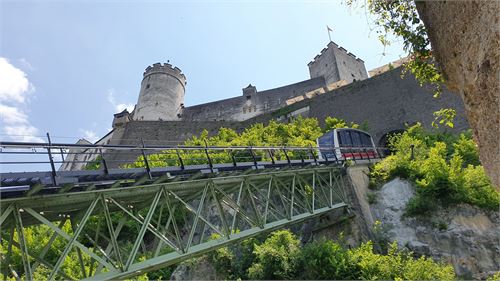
<point x="465" y="37"/>
<point x="197" y="269"/>
<point x="464" y="236"/>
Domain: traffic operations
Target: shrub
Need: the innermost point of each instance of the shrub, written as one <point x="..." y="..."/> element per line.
<point x="445" y="168"/>
<point x="326" y="260"/>
<point x="397" y="265"/>
<point x="276" y="258"/>
<point x="233" y="262"/>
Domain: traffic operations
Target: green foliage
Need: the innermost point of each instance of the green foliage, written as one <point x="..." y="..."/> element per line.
<point x="400" y="18"/>
<point x="337" y="123"/>
<point x="233" y="262"/>
<point x="94" y="164"/>
<point x="397" y="265"/>
<point x="327" y="260"/>
<point x="494" y="277"/>
<point x="300" y="132"/>
<point x="371" y="197"/>
<point x="281" y="257"/>
<point x="445" y="168"/>
<point x="444" y="116"/>
<point x="276" y="258"/>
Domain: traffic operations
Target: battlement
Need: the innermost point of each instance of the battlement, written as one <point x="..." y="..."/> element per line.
<point x="333" y="45"/>
<point x="165" y="68"/>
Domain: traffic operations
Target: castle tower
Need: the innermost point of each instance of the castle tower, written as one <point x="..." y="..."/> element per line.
<point x="335" y="64"/>
<point x="162" y="94"/>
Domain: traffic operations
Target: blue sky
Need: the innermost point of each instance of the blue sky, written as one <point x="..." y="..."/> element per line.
<point x="67" y="66"/>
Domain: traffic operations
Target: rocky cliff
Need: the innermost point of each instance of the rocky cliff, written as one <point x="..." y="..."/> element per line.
<point x="464" y="236"/>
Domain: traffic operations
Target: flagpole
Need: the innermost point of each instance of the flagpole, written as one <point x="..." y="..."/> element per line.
<point x="328" y="29"/>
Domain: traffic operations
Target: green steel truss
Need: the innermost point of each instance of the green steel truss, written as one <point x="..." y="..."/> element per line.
<point x="122" y="232"/>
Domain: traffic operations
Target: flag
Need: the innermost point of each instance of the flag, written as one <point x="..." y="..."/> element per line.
<point x="328" y="28"/>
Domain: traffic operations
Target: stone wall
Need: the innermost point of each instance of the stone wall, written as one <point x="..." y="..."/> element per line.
<point x="250" y="105"/>
<point x="386" y="102"/>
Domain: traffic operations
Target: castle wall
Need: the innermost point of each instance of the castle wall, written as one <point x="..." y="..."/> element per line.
<point x="386" y="102"/>
<point x="250" y="105"/>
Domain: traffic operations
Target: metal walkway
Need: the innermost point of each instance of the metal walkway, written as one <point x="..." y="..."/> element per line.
<point x="122" y="223"/>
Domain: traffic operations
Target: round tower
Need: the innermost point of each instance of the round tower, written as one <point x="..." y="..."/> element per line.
<point x="162" y="93"/>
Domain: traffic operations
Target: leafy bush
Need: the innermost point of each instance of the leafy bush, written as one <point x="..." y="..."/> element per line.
<point x="397" y="265"/>
<point x="233" y="262"/>
<point x="445" y="168"/>
<point x="281" y="257"/>
<point x="326" y="260"/>
<point x="276" y="258"/>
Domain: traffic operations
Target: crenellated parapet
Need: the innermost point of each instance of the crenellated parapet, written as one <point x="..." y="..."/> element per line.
<point x="165" y="68"/>
<point x="332" y="45"/>
<point x="335" y="63"/>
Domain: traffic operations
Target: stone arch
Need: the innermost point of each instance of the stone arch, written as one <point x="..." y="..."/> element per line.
<point x="382" y="142"/>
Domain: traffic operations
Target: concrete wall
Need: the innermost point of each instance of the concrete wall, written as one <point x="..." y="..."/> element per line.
<point x="334" y="63"/>
<point x="251" y="104"/>
<point x="161" y="94"/>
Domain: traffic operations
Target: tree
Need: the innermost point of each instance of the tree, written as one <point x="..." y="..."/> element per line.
<point x="455" y="43"/>
<point x="465" y="40"/>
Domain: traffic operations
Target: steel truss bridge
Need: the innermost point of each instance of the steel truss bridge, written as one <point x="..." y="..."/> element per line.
<point x="120" y="223"/>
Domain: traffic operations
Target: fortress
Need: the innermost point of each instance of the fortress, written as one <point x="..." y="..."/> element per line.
<point x="339" y="86"/>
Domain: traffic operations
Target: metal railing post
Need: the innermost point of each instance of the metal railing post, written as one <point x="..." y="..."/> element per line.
<point x="287" y="158"/>
<point x="314" y="156"/>
<point x="148" y="169"/>
<point x="271" y="155"/>
<point x="52" y="166"/>
<point x="62" y="154"/>
<point x="233" y="158"/>
<point x="253" y="157"/>
<point x="104" y="164"/>
<point x="208" y="157"/>
<point x="180" y="158"/>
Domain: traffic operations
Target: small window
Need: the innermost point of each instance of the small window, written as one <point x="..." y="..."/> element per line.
<point x="244" y="110"/>
<point x="147" y="86"/>
<point x="249" y="97"/>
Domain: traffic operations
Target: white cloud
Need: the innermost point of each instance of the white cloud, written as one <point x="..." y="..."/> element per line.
<point x="14" y="85"/>
<point x="12" y="115"/>
<point x="89" y="135"/>
<point x="118" y="107"/>
<point x="23" y="132"/>
<point x="26" y="65"/>
<point x="14" y="89"/>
